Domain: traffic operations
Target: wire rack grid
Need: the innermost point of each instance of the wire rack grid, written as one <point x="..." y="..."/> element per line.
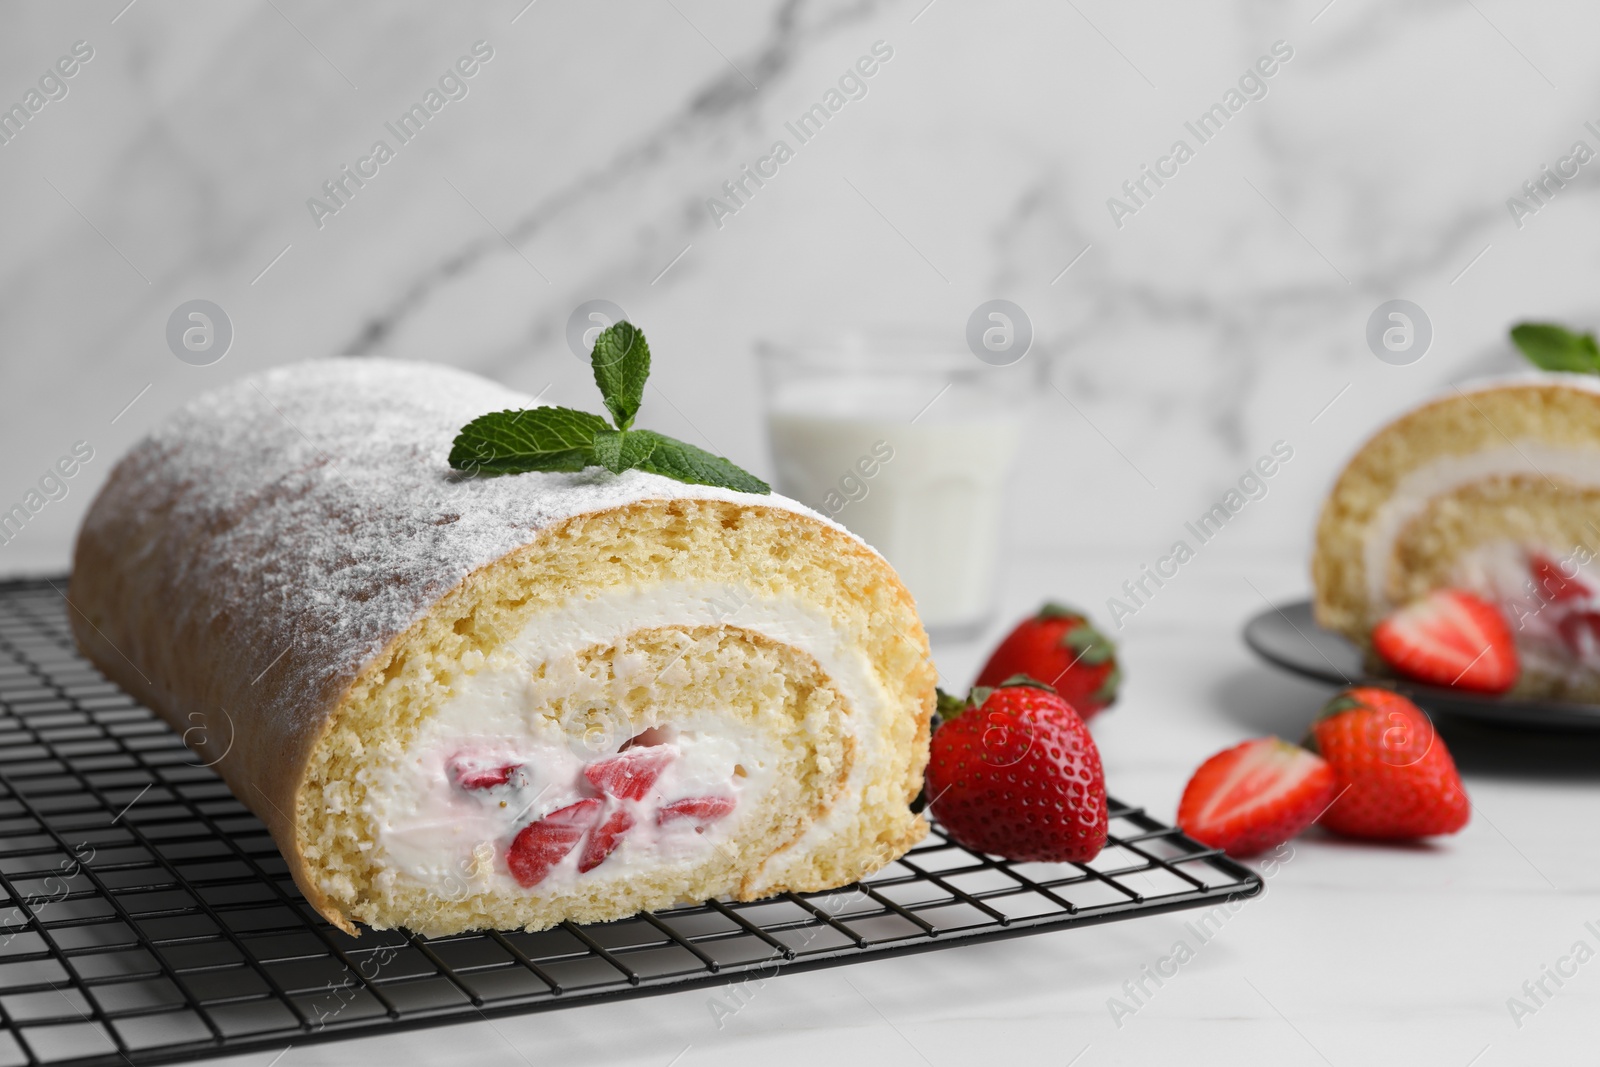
<point x="150" y="918"/>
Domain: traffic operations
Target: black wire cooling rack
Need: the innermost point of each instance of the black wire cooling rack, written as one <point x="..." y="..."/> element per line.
<point x="152" y="920"/>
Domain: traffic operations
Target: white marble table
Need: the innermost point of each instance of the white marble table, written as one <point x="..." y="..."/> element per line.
<point x="1356" y="954"/>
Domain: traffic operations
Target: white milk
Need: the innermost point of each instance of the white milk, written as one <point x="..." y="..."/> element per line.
<point x="928" y="495"/>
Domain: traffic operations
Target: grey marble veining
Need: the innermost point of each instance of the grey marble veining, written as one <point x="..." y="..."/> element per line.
<point x="1223" y="315"/>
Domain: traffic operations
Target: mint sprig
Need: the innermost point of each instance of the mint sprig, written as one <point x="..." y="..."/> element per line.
<point x="1552" y="347"/>
<point x="565" y="439"/>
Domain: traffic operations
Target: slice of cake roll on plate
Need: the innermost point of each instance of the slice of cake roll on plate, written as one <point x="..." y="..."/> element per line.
<point x="465" y="701"/>
<point x="1494" y="489"/>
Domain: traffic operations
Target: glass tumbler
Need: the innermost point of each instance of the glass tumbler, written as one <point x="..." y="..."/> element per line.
<point x="908" y="441"/>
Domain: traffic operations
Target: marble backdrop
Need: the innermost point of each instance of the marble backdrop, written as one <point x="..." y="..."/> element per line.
<point x="1182" y="334"/>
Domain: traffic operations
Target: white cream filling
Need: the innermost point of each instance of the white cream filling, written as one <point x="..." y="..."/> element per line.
<point x="1541" y="625"/>
<point x="454" y="841"/>
<point x="1446" y="474"/>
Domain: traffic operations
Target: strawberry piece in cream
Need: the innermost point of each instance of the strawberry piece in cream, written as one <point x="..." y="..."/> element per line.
<point x="471" y="771"/>
<point x="630" y="775"/>
<point x="542" y="845"/>
<point x="604" y="840"/>
<point x="701" y="809"/>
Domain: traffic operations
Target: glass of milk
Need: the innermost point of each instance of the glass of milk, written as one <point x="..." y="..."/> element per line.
<point x="907" y="441"/>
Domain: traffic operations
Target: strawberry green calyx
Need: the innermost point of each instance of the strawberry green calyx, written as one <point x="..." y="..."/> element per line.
<point x="1016" y="680"/>
<point x="947" y="705"/>
<point x="1092" y="646"/>
<point x="1053" y="609"/>
<point x="1106" y="691"/>
<point x="1340" y="704"/>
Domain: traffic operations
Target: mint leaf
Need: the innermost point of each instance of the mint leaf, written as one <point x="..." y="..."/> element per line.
<point x="621" y="362"/>
<point x="618" y="451"/>
<point x="1552" y="347"/>
<point x="683" y="461"/>
<point x="534" y="439"/>
<point x="564" y="439"/>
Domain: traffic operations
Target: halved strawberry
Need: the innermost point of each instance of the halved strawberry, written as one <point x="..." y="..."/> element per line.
<point x="1450" y="638"/>
<point x="1255" y="796"/>
<point x="701" y="809"/>
<point x="630" y="775"/>
<point x="542" y="845"/>
<point x="604" y="840"/>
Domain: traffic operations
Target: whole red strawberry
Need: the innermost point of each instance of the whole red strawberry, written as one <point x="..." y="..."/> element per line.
<point x="1014" y="772"/>
<point x="1060" y="646"/>
<point x="1394" y="777"/>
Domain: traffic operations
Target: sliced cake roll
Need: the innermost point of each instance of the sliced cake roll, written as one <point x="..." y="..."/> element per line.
<point x="468" y="701"/>
<point x="1493" y="489"/>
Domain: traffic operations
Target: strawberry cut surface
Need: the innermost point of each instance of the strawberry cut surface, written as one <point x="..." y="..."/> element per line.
<point x="1255" y="796"/>
<point x="630" y="775"/>
<point x="1449" y="638"/>
<point x="701" y="809"/>
<point x="542" y="845"/>
<point x="604" y="840"/>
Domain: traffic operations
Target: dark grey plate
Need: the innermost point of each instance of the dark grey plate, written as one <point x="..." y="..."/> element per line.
<point x="1288" y="637"/>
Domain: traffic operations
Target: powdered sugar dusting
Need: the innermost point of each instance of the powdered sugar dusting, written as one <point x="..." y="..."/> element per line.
<point x="315" y="506"/>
